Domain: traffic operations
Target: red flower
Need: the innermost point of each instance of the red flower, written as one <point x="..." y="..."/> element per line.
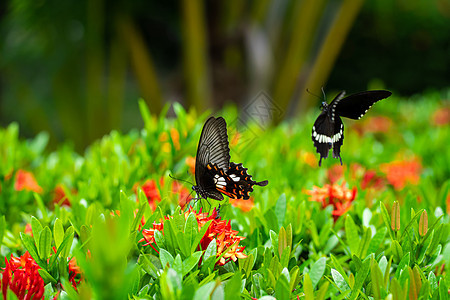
<point x="21" y="276"/>
<point x="75" y="276"/>
<point x="60" y="196"/>
<point x="25" y="181"/>
<point x="151" y="191"/>
<point x="339" y="196"/>
<point x="400" y="173"/>
<point x="372" y="180"/>
<point x="227" y="239"/>
<point x="441" y="116"/>
<point x="335" y="173"/>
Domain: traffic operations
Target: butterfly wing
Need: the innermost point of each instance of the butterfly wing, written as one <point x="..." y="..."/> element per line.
<point x="322" y="133"/>
<point x="337" y="138"/>
<point x="237" y="184"/>
<point x="212" y="150"/>
<point x="356" y="105"/>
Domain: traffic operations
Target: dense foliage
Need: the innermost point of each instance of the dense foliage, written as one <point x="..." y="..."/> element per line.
<point x="108" y="224"/>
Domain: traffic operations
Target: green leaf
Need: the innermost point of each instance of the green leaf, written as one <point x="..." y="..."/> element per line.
<point x="317" y="271"/>
<point x="178" y="264"/>
<point x="351" y="232"/>
<point x="396" y="290"/>
<point x="191" y="229"/>
<point x="145" y="113"/>
<point x="191" y="262"/>
<point x="233" y="287"/>
<point x="211" y="250"/>
<point x="36" y="228"/>
<point x="46" y="276"/>
<point x="28" y="243"/>
<point x="396" y="250"/>
<point x="338" y="267"/>
<point x="282" y="288"/>
<point x="308" y="288"/>
<point x="412" y="222"/>
<point x="204" y="292"/>
<point x="200" y="235"/>
<point x="246" y="264"/>
<point x="339" y="281"/>
<point x="280" y="209"/>
<point x="165" y="257"/>
<point x="377" y="279"/>
<point x="364" y="243"/>
<point x="433" y="281"/>
<point x="137" y="219"/>
<point x="322" y="291"/>
<point x="361" y="276"/>
<point x="386" y="219"/>
<point x="65" y="244"/>
<point x="2" y="228"/>
<point x="377" y="240"/>
<point x="402" y="264"/>
<point x="58" y="232"/>
<point x="443" y="290"/>
<point x="160" y="239"/>
<point x="183" y="244"/>
<point x="45" y="243"/>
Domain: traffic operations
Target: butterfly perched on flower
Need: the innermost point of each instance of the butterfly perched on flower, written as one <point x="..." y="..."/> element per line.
<point x="328" y="129"/>
<point x="215" y="175"/>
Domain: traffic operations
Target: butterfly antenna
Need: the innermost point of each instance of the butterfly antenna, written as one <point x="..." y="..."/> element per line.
<point x="323" y="93"/>
<point x="179" y="179"/>
<point x="317" y="96"/>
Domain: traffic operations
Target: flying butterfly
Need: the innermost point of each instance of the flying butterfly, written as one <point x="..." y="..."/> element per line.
<point x="215" y="175"/>
<point x="328" y="129"/>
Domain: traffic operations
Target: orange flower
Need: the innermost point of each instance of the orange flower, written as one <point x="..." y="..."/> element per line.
<point x="441" y="116"/>
<point x="25" y="181"/>
<point x="244" y="205"/>
<point x="175" y="138"/>
<point x="308" y="157"/>
<point x="400" y="173"/>
<point x="227" y="239"/>
<point x="21" y="276"/>
<point x="339" y="196"/>
<point x="190" y="161"/>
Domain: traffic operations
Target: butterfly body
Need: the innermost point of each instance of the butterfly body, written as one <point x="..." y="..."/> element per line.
<point x="215" y="175"/>
<point x="328" y="129"/>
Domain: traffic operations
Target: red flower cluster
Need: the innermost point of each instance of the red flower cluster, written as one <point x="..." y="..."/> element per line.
<point x="25" y="181"/>
<point x="227" y="239"/>
<point x="339" y="196"/>
<point x="21" y="276"/>
<point x="400" y="173"/>
<point x="153" y="195"/>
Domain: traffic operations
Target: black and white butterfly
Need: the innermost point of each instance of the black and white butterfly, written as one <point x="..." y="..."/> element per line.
<point x="214" y="173"/>
<point x="328" y="129"/>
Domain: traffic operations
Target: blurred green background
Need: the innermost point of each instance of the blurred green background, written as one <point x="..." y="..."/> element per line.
<point x="76" y="68"/>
